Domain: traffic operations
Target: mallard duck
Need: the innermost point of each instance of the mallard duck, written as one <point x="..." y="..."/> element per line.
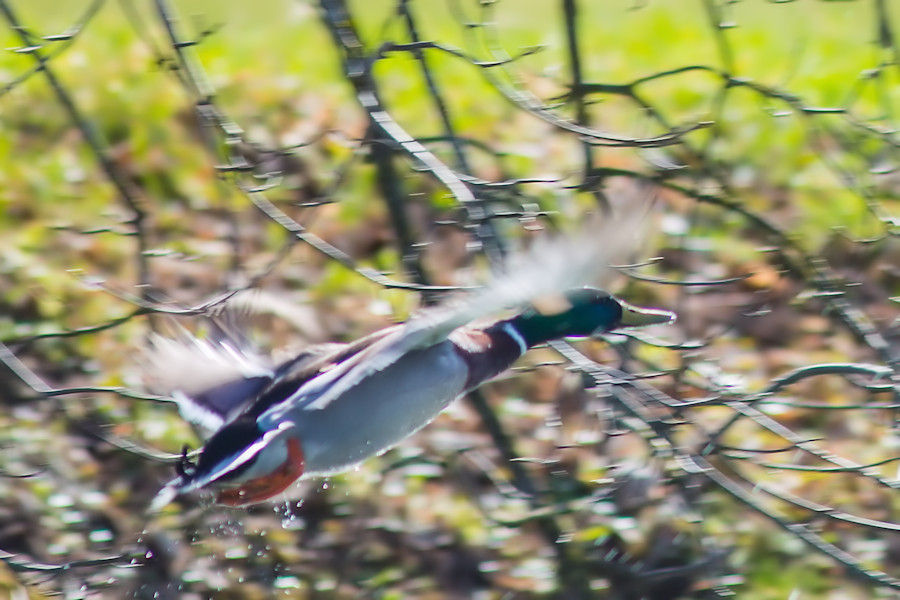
<point x="330" y="408"/>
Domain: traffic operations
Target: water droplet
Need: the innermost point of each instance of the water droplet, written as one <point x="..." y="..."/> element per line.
<point x="286" y="582"/>
<point x="99" y="536"/>
<point x="60" y="500"/>
<point x="57" y="549"/>
<point x="236" y="553"/>
<point x="293" y="523"/>
<point x="192" y="576"/>
<point x="71" y="517"/>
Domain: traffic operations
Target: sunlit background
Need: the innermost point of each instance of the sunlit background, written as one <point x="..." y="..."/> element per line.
<point x="760" y="139"/>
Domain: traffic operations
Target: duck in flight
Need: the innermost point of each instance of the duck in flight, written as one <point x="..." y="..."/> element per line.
<point x="328" y="409"/>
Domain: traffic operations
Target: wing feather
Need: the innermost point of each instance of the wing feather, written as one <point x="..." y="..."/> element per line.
<point x="549" y="267"/>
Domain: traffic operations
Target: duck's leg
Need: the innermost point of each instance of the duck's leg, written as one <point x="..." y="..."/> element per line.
<point x="263" y="488"/>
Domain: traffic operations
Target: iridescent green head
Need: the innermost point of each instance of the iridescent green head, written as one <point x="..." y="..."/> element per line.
<point x="582" y="313"/>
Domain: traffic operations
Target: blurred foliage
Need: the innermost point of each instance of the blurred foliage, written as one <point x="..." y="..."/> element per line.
<point x="775" y="189"/>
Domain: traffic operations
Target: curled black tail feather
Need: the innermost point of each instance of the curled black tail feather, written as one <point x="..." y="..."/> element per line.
<point x="218" y="451"/>
<point x="185" y="467"/>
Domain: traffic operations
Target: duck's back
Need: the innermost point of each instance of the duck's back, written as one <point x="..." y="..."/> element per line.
<point x="382" y="409"/>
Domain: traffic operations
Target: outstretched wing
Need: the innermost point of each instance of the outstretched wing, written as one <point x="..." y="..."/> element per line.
<point x="212" y="382"/>
<point x="209" y="380"/>
<point x="547" y="269"/>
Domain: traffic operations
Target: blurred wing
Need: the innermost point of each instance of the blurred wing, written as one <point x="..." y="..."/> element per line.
<point x="213" y="408"/>
<point x="549" y="267"/>
<point x="213" y="381"/>
<point x="209" y="380"/>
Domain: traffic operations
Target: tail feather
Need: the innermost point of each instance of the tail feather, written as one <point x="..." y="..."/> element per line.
<point x="217" y="465"/>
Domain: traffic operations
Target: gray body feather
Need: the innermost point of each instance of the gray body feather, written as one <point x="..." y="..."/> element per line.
<point x="380" y="410"/>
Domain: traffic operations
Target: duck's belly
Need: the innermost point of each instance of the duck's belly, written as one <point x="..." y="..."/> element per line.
<point x="382" y="410"/>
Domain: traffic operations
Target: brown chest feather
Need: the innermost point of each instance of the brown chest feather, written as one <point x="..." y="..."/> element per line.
<point x="487" y="352"/>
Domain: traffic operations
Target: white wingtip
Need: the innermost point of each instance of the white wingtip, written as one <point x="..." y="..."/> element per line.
<point x="190" y="365"/>
<point x="549" y="266"/>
